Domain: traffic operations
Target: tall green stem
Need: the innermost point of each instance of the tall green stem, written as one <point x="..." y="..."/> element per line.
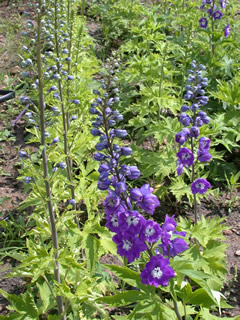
<point x="185" y="62"/>
<point x="45" y="167"/>
<point x="65" y="129"/>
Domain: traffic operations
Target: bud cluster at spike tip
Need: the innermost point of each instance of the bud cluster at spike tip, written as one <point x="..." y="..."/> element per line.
<point x="195" y="95"/>
<point x="214" y="13"/>
<point x="126" y="208"/>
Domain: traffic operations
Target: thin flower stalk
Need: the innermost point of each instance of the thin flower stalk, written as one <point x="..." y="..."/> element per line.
<point x="59" y="299"/>
<point x="64" y="115"/>
<point x="186" y="157"/>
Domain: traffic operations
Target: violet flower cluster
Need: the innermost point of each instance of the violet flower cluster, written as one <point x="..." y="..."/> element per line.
<point x="214" y="13"/>
<point x="194" y="118"/>
<point x="125" y="207"/>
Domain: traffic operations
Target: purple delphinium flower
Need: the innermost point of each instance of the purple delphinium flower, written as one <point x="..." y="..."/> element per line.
<point x="75" y="101"/>
<point x="134" y="173"/>
<point x="227" y="31"/>
<point x="157" y="272"/>
<point x="151" y="232"/>
<point x="200" y="186"/>
<point x="217" y="15"/>
<point x="170" y="247"/>
<point x="148" y="202"/>
<point x="204" y="144"/>
<point x="126" y="151"/>
<point x="185" y="119"/>
<point x="180" y="138"/>
<point x="62" y="165"/>
<point x="203" y="22"/>
<point x="112" y="218"/>
<point x="203" y="156"/>
<point x="223" y="4"/>
<point x="180" y="169"/>
<point x="194" y="132"/>
<point x="132" y="221"/>
<point x="74" y="117"/>
<point x="55" y="140"/>
<point x="133" y="231"/>
<point x="27" y="180"/>
<point x="111" y="202"/>
<point x="72" y="202"/>
<point x="23" y="154"/>
<point x="185" y="157"/>
<point x="99" y="156"/>
<point x="129" y="245"/>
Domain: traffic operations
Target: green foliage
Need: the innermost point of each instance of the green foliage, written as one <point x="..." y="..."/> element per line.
<point x="157" y="49"/>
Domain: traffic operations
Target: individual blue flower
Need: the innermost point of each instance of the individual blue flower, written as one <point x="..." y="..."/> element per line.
<point x="120" y="187"/>
<point x="131" y="221"/>
<point x="171" y="248"/>
<point x="136" y="194"/>
<point x="149" y="201"/>
<point x="111" y="202"/>
<point x="133" y="172"/>
<point x="95" y="132"/>
<point x="23" y="154"/>
<point x="223" y="4"/>
<point x="194" y="107"/>
<point x="99" y="156"/>
<point x="75" y="101"/>
<point x="194" y="132"/>
<point x="55" y="140"/>
<point x="180" y="138"/>
<point x="27" y="180"/>
<point x="203" y="22"/>
<point x="126" y="151"/>
<point x="129" y="245"/>
<point x="101" y="146"/>
<point x="104" y="185"/>
<point x="120" y="133"/>
<point x="151" y="232"/>
<point x="227" y="31"/>
<point x="53" y="88"/>
<point x="203" y="156"/>
<point x="180" y="169"/>
<point x="185" y="157"/>
<point x="72" y="202"/>
<point x="198" y="122"/>
<point x="200" y="186"/>
<point x="157" y="272"/>
<point x="185" y="119"/>
<point x="206" y="120"/>
<point x="185" y="108"/>
<point x="188" y="95"/>
<point x="217" y="15"/>
<point x="204" y="144"/>
<point x="74" y="117"/>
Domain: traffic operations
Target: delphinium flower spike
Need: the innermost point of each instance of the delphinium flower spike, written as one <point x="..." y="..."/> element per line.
<point x="195" y="95"/>
<point x="126" y="208"/>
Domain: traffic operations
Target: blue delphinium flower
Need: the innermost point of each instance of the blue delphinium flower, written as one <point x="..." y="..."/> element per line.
<point x="227" y="31"/>
<point x="196" y="83"/>
<point x="157" y="271"/>
<point x="125" y="207"/>
<point x="214" y="14"/>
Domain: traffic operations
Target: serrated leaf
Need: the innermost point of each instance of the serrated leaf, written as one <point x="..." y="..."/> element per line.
<point x="124" y="298"/>
<point x="129" y="276"/>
